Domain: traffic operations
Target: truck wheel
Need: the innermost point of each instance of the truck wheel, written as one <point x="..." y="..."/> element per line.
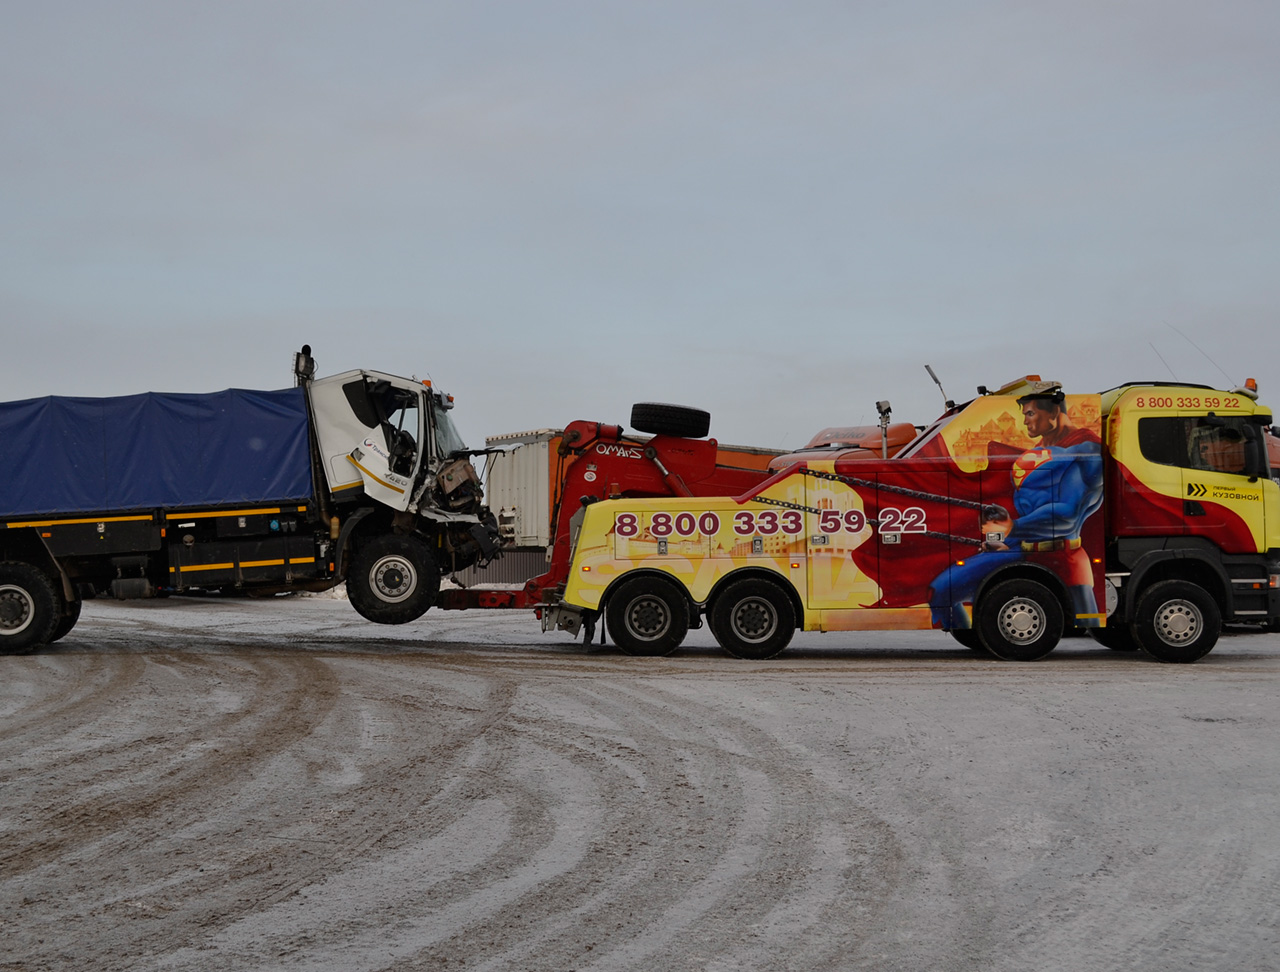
<point x="661" y="419"/>
<point x="969" y="638"/>
<point x="28" y="608"/>
<point x="66" y="621"/>
<point x="647" y="616"/>
<point x="1177" y="622"/>
<point x="1117" y="637"/>
<point x="1019" y="620"/>
<point x="753" y="619"/>
<point x="393" y="580"/>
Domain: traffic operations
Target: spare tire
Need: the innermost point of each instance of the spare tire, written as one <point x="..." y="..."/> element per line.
<point x="660" y="419"/>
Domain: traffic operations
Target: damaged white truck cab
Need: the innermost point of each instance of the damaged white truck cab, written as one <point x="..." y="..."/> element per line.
<point x="360" y="477"/>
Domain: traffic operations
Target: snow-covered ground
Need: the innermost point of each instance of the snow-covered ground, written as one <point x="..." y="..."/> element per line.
<point x="277" y="784"/>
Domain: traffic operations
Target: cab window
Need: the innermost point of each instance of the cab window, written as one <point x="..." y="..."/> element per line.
<point x="380" y="405"/>
<point x="1223" y="444"/>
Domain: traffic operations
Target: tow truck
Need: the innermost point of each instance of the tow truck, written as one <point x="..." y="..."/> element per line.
<point x="1144" y="515"/>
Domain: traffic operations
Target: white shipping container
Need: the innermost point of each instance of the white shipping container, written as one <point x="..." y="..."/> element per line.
<point x="517" y="485"/>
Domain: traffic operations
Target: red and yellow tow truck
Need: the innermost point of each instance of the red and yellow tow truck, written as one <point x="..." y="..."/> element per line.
<point x="1145" y="515"/>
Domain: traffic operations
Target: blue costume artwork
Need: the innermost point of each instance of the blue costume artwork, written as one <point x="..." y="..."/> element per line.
<point x="1056" y="488"/>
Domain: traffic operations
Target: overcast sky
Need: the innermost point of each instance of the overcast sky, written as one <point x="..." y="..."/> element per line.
<point x="778" y="212"/>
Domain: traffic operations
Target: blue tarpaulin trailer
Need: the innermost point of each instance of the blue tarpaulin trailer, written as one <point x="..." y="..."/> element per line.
<point x="64" y="455"/>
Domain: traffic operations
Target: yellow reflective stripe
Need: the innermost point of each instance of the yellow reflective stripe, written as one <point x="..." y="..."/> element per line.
<point x="335" y="489"/>
<point x="245" y="563"/>
<point x="207" y="515"/>
<point x="92" y="519"/>
<point x="380" y="482"/>
<point x="1097" y="616"/>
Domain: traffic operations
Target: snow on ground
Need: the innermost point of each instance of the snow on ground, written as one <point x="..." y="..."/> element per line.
<point x="211" y="784"/>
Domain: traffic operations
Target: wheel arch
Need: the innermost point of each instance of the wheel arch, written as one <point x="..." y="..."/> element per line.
<point x="1031" y="572"/>
<point x="27" y="546"/>
<point x="355" y="528"/>
<point x="695" y="607"/>
<point x="759" y="573"/>
<point x="1176" y="565"/>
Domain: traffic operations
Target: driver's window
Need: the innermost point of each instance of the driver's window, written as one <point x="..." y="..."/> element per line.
<point x="1218" y="449"/>
<point x="1224" y="444"/>
<point x="401" y="429"/>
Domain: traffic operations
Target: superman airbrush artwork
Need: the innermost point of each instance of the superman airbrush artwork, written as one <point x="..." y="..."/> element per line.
<point x="1012" y="480"/>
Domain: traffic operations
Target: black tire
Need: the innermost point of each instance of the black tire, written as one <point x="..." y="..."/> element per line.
<point x="647" y="616"/>
<point x="660" y="419"/>
<point x="29" y="608"/>
<point x="1177" y="622"/>
<point x="969" y="638"/>
<point x="1117" y="637"/>
<point x="393" y="580"/>
<point x="1019" y="620"/>
<point x="753" y="619"/>
<point x="66" y="622"/>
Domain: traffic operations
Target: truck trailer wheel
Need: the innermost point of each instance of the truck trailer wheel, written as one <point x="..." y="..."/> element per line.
<point x="647" y="616"/>
<point x="66" y="621"/>
<point x="393" y="580"/>
<point x="1019" y="620"/>
<point x="1177" y="622"/>
<point x="28" y="608"/>
<point x="661" y="419"/>
<point x="753" y="619"/>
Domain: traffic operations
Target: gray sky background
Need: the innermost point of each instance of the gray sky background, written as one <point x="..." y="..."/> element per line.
<point x="779" y="212"/>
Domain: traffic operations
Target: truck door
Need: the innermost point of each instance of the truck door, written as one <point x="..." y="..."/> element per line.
<point x="1223" y="481"/>
<point x="371" y="430"/>
<point x="1212" y="459"/>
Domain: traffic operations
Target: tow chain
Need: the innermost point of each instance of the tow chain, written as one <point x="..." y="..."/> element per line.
<point x="990" y="508"/>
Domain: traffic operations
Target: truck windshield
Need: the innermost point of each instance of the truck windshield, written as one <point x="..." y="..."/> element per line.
<point x="447" y="438"/>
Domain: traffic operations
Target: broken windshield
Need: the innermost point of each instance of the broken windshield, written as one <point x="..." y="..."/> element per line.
<point x="448" y="440"/>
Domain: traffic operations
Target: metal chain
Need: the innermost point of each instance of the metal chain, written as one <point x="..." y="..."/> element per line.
<point x="901" y="490"/>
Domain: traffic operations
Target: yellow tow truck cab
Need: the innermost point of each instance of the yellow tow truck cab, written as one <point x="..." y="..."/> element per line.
<point x="1144" y="515"/>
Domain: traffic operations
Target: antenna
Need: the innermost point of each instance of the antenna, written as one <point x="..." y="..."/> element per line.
<point x="950" y="403"/>
<point x="1162" y="361"/>
<point x="1230" y="380"/>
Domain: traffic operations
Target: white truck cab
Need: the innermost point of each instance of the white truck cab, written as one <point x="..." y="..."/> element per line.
<point x="382" y="432"/>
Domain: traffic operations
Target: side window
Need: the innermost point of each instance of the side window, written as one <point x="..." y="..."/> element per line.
<point x="1209" y="443"/>
<point x="401" y="429"/>
<point x="1163" y="440"/>
<point x="377" y="404"/>
<point x="357" y="393"/>
<point x="1218" y="449"/>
